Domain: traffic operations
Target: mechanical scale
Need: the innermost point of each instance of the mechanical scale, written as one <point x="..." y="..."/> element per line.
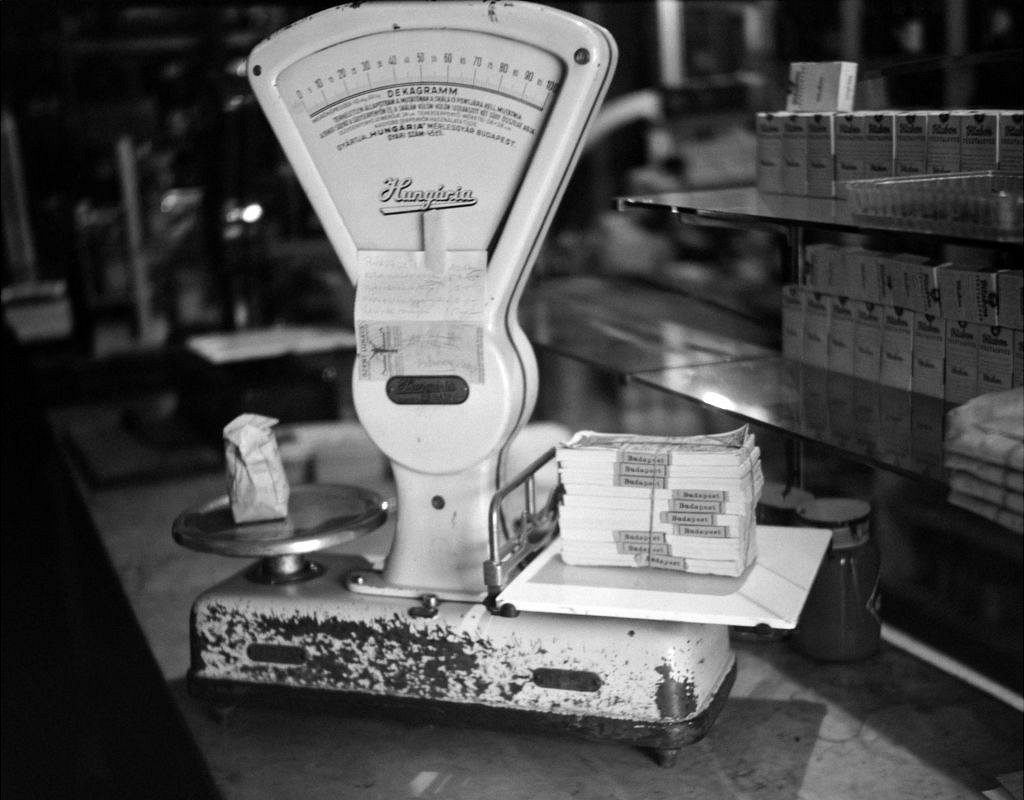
<point x="434" y="141"/>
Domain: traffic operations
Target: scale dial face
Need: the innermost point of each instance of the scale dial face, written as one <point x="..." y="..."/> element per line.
<point x="476" y="109"/>
<point x="408" y="121"/>
<point x="434" y="140"/>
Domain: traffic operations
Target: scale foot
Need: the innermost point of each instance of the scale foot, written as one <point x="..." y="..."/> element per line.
<point x="221" y="713"/>
<point x="665" y="756"/>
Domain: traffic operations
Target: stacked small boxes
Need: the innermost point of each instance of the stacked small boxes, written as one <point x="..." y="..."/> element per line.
<point x="945" y="330"/>
<point x="816" y="153"/>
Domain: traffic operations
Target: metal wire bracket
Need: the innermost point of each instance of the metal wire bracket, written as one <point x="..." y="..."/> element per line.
<point x="529" y="534"/>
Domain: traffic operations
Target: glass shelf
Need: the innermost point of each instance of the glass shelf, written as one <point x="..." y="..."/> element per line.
<point x="625" y="326"/>
<point x="899" y="431"/>
<point x="746" y="206"/>
<point x="678" y="345"/>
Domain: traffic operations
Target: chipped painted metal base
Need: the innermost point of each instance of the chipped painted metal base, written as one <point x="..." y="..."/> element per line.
<point x="656" y="685"/>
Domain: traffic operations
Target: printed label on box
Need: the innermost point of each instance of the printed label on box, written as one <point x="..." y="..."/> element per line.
<point x="961" y="360"/>
<point x="929" y="369"/>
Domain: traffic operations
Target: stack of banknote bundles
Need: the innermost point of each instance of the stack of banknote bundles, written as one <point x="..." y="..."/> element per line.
<point x="682" y="503"/>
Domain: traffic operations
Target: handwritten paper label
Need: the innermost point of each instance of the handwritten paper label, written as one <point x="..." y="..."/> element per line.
<point x="396" y="286"/>
<point x="415" y="321"/>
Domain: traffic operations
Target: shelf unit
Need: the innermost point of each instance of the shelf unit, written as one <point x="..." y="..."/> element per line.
<point x="680" y="345"/>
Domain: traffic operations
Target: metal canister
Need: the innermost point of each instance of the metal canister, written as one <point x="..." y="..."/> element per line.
<point x="840" y="620"/>
<point x="779" y="503"/>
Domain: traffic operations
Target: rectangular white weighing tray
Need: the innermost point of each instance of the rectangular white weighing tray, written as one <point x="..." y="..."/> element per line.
<point x="771" y="591"/>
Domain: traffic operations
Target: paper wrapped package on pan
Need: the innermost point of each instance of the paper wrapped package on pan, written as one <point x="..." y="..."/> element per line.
<point x="257" y="486"/>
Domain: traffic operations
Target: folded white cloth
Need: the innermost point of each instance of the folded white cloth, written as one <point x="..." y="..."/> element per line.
<point x="1001" y="516"/>
<point x="991" y="448"/>
<point x="1011" y="479"/>
<point x="984" y="452"/>
<point x="996" y="412"/>
<point x="983" y="490"/>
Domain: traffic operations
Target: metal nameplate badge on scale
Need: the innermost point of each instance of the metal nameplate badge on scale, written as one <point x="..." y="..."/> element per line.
<point x="434" y="141"/>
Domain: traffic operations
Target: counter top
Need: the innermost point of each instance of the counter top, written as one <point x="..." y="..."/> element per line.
<point x="890" y="726"/>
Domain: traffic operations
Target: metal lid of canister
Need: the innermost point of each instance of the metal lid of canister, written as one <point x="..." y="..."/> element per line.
<point x="778" y="503"/>
<point x="848" y="518"/>
<point x="779" y="495"/>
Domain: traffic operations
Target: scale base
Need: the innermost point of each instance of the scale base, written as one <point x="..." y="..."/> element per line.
<point x="653" y="685"/>
<point x="662" y="741"/>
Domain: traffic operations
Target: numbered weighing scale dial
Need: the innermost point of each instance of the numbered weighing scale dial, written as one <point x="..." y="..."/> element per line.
<point x="434" y="141"/>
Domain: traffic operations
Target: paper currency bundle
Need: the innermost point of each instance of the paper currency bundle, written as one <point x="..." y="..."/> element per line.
<point x="682" y="503"/>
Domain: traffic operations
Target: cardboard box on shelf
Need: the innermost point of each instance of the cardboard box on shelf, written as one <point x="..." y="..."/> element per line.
<point x="896" y="368"/>
<point x="1011" y="141"/>
<point x="924" y="289"/>
<point x="995" y="359"/>
<point x="793" y="321"/>
<point x="911" y="144"/>
<point x="1010" y="298"/>
<point x="920" y="281"/>
<point x="1018" y="358"/>
<point x="816" y="265"/>
<point x="897" y="277"/>
<point x="978" y="150"/>
<point x="850" y="141"/>
<point x="769" y="152"/>
<point x="839" y="277"/>
<point x="816" y="322"/>
<point x="821" y="86"/>
<point x="944" y="134"/>
<point x="879" y="144"/>
<point x="865" y="273"/>
<point x="794" y="153"/>
<point x="961" y="382"/>
<point x="840" y="335"/>
<point x="895" y="421"/>
<point x="967" y="292"/>
<point x="821" y="166"/>
<point x="867" y="339"/>
<point x="928" y="373"/>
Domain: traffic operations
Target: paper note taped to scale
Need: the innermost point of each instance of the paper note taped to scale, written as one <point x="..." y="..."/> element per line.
<point x="386" y="349"/>
<point x="395" y="285"/>
<point x="411" y="320"/>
